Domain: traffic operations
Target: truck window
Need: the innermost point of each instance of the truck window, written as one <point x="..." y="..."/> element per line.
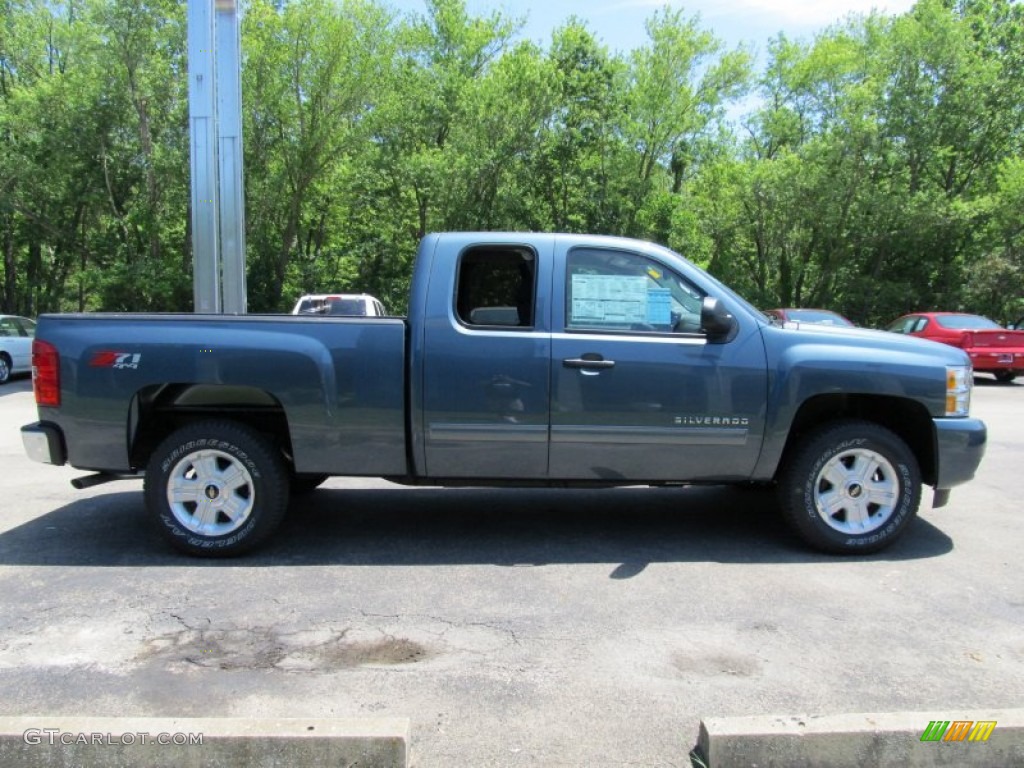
<point x="619" y="291"/>
<point x="496" y="287"/>
<point x="340" y="306"/>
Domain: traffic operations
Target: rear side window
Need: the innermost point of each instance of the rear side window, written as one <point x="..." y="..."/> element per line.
<point x="496" y="287"/>
<point x="906" y="325"/>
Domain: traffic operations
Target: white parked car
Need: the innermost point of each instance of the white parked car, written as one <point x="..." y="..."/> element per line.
<point x="16" y="334"/>
<point x="355" y="304"/>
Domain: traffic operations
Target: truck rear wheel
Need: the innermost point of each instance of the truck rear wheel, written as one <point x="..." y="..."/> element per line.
<point x="851" y="487"/>
<point x="216" y="488"/>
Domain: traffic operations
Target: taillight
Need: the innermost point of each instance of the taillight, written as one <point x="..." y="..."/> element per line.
<point x="46" y="373"/>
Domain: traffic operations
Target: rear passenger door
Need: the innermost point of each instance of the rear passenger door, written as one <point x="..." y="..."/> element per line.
<point x="487" y="345"/>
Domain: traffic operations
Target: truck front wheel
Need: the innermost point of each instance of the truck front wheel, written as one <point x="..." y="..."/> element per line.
<point x="850" y="487"/>
<point x="216" y="488"/>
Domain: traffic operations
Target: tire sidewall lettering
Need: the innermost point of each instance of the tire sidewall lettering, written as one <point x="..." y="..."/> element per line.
<point x="207" y="543"/>
<point x="192" y="446"/>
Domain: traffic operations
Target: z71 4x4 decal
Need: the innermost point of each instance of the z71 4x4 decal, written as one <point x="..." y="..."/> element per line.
<point x="108" y="359"/>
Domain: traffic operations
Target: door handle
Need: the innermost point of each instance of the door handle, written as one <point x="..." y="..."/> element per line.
<point x="588" y="361"/>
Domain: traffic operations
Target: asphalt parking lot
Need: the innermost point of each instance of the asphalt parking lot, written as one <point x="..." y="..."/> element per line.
<point x="514" y="628"/>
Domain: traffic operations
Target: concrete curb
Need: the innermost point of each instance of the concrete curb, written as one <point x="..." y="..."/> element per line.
<point x="890" y="740"/>
<point x="153" y="742"/>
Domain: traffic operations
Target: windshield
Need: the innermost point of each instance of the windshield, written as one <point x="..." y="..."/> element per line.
<point x="819" y="316"/>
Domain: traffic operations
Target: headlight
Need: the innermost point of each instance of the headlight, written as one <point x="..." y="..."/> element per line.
<point x="959" y="381"/>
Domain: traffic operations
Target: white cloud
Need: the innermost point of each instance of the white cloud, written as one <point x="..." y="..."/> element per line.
<point x="809" y="13"/>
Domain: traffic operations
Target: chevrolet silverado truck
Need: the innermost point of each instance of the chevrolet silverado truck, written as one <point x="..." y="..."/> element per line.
<point x="526" y="359"/>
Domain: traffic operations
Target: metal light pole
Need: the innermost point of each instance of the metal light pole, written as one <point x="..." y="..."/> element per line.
<point x="215" y="118"/>
<point x="231" y="208"/>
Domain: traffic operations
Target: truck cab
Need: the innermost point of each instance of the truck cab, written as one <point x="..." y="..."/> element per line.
<point x="581" y="360"/>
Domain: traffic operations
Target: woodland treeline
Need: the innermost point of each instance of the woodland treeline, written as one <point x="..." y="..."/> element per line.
<point x="873" y="170"/>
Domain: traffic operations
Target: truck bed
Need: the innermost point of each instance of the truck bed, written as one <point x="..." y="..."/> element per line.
<point x="339" y="381"/>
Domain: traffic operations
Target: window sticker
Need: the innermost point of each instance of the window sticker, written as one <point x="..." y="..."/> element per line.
<point x="659" y="306"/>
<point x="609" y="299"/>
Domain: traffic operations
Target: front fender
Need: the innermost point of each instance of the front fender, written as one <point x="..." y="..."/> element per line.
<point x="808" y="362"/>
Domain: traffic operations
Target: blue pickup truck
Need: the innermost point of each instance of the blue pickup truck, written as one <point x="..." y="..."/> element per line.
<point x="526" y="359"/>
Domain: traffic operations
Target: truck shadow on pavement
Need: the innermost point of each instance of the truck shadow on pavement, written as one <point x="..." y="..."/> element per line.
<point x="629" y="528"/>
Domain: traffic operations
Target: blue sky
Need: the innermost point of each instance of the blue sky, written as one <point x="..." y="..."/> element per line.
<point x="619" y="24"/>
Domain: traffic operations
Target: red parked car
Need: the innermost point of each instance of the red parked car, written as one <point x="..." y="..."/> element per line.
<point x="992" y="348"/>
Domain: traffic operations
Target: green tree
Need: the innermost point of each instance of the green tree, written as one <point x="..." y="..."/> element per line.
<point x="678" y="85"/>
<point x="309" y="78"/>
<point x="576" y="162"/>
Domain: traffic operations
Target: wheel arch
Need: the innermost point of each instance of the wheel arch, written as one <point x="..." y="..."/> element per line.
<point x="907" y="419"/>
<point x="157" y="411"/>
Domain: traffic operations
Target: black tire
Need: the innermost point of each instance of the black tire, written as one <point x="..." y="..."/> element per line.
<point x="1005" y="377"/>
<point x="303" y="484"/>
<point x="230" y="484"/>
<point x="850" y="487"/>
<point x="5" y="369"/>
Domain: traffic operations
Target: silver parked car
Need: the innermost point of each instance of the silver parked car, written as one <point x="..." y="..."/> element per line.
<point x="16" y="334"/>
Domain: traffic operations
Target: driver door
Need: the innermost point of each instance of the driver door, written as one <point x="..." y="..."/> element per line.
<point x="638" y="391"/>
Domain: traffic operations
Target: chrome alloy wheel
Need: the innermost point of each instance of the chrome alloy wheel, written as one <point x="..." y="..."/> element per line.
<point x="856" y="491"/>
<point x="210" y="493"/>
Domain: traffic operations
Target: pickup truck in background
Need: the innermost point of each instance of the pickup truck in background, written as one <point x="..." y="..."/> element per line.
<point x="526" y="359"/>
<point x="352" y="304"/>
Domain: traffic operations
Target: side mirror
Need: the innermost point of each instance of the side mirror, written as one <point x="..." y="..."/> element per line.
<point x="716" y="321"/>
